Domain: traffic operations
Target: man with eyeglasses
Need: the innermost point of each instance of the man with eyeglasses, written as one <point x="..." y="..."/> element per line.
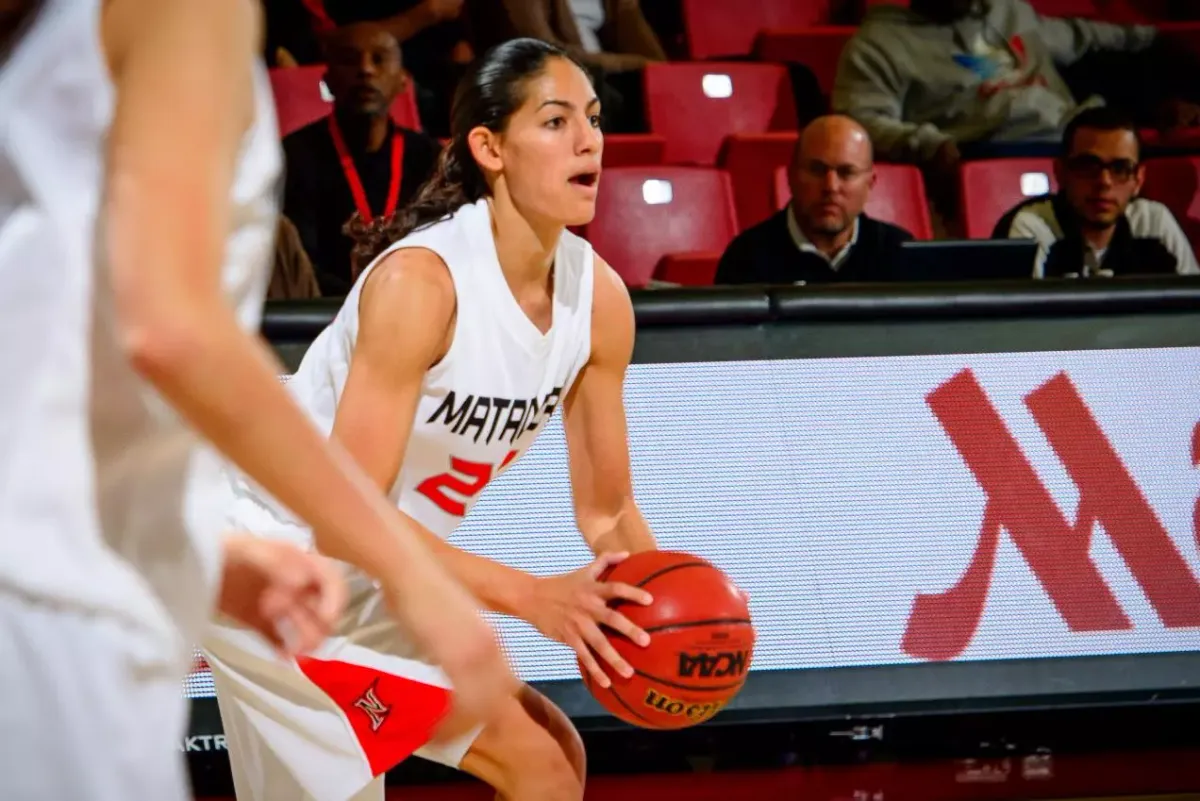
<point x="1096" y="225"/>
<point x="822" y="235"/>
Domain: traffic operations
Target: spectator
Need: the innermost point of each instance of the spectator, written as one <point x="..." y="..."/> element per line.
<point x="823" y="234"/>
<point x="432" y="33"/>
<point x="357" y="159"/>
<point x="927" y="79"/>
<point x="1096" y="225"/>
<point x="611" y="37"/>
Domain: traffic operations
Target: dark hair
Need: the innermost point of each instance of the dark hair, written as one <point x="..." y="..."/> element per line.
<point x="488" y="95"/>
<point x="1101" y="118"/>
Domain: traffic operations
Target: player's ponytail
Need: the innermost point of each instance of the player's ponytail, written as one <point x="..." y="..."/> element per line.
<point x="455" y="182"/>
<point x="488" y="96"/>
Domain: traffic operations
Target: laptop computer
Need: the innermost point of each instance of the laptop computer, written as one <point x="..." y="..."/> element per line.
<point x="967" y="260"/>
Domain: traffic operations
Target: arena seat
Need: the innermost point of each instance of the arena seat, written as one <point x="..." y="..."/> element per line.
<point x="988" y="188"/>
<point x="301" y="98"/>
<point x="1183" y="35"/>
<point x="1121" y="12"/>
<point x="633" y="150"/>
<point x="751" y="161"/>
<point x="695" y="268"/>
<point x="816" y="48"/>
<point x="644" y="214"/>
<point x="898" y="198"/>
<point x="725" y="28"/>
<point x="696" y="105"/>
<point x="1174" y="181"/>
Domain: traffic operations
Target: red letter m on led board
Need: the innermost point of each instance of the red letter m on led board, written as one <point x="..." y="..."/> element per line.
<point x="941" y="625"/>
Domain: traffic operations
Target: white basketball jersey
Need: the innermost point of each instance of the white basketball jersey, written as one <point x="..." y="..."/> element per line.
<point x="106" y="497"/>
<point x="484" y="403"/>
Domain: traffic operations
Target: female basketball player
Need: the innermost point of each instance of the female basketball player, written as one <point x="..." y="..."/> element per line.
<point x="138" y="165"/>
<point x="449" y="355"/>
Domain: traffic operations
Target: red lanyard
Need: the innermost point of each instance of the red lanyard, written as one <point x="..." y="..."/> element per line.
<point x="320" y="18"/>
<point x="356" y="187"/>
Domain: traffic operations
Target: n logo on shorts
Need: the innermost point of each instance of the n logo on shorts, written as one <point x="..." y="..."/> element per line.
<point x="424" y="706"/>
<point x="377" y="711"/>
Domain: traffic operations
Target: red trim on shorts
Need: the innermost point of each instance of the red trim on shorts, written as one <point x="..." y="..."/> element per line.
<point x="391" y="716"/>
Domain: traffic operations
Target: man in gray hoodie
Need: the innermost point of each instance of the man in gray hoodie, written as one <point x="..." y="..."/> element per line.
<point x="924" y="79"/>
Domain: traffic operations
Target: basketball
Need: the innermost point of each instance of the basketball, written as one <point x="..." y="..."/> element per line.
<point x="701" y="640"/>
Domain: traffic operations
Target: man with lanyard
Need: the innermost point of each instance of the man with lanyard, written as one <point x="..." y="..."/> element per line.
<point x="433" y="33"/>
<point x="356" y="160"/>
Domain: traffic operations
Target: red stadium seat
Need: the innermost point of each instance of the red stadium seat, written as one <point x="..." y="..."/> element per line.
<point x="1122" y="12"/>
<point x="1185" y="35"/>
<point x="751" y="161"/>
<point x="722" y="28"/>
<point x="1175" y="182"/>
<point x="898" y="198"/>
<point x="689" y="269"/>
<point x="301" y="98"/>
<point x="696" y="105"/>
<point x="817" y="48"/>
<point x="989" y="188"/>
<point x="646" y="213"/>
<point x="633" y="150"/>
<point x="1186" y="138"/>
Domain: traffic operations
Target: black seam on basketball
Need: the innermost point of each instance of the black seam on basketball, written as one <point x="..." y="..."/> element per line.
<point x="620" y="602"/>
<point x="630" y="709"/>
<point x="720" y="621"/>
<point x="665" y="570"/>
<point x="689" y="687"/>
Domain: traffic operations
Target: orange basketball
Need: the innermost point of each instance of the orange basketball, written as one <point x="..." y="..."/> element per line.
<point x="701" y="641"/>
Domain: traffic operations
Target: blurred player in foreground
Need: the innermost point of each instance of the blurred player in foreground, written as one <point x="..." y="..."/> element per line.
<point x="139" y="166"/>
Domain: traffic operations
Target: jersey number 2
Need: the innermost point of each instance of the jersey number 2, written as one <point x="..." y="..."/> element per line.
<point x="465" y="479"/>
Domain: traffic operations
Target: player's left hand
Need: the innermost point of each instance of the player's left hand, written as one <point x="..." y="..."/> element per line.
<point x="291" y="597"/>
<point x="571" y="608"/>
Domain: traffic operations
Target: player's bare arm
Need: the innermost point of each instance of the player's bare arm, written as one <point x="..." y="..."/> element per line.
<point x="179" y="68"/>
<point x="597" y="437"/>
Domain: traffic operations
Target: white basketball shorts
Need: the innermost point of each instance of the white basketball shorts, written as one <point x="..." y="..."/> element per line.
<point x="327" y="727"/>
<point x="89" y="708"/>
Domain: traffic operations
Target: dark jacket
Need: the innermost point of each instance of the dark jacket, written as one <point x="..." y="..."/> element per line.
<point x="317" y="197"/>
<point x="767" y="254"/>
<point x="1126" y="254"/>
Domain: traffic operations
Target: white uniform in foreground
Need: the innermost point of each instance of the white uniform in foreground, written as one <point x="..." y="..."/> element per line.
<point x="329" y="727"/>
<point x="109" y="527"/>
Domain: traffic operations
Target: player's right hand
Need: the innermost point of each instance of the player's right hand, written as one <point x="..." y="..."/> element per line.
<point x="445" y="621"/>
<point x="571" y="608"/>
<point x="291" y="597"/>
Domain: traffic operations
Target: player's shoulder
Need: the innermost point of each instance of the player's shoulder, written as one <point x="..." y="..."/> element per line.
<point x="412" y="278"/>
<point x="613" y="320"/>
<point x="610" y="294"/>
